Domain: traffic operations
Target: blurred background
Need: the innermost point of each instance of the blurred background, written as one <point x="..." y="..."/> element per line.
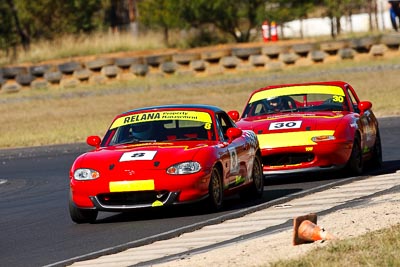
<point x="34" y="31"/>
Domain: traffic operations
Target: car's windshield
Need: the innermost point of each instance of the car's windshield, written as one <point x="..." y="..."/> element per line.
<point x="161" y="126"/>
<point x="296" y="99"/>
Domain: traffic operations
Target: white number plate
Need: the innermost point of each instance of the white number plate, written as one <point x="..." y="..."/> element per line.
<point x="285" y="125"/>
<point x="138" y="155"/>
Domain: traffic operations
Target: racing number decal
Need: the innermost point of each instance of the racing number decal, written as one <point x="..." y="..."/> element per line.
<point x="338" y="98"/>
<point x="138" y="155"/>
<point x="285" y="125"/>
<point x="234" y="160"/>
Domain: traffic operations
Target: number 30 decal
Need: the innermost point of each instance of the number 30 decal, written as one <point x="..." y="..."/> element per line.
<point x="285" y="125"/>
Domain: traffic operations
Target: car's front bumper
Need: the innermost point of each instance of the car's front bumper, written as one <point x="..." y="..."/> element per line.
<point x="322" y="157"/>
<point x="168" y="190"/>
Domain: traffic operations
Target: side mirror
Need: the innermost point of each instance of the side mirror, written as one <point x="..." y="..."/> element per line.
<point x="93" y="140"/>
<point x="364" y="105"/>
<point x="233" y="133"/>
<point x="234" y="115"/>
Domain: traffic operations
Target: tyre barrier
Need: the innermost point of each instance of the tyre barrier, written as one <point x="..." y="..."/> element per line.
<point x="209" y="61"/>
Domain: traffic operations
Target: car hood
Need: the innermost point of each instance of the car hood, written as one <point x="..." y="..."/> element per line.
<point x="144" y="156"/>
<point x="291" y="129"/>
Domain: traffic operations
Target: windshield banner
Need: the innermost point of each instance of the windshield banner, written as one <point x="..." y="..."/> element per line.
<point x="162" y="115"/>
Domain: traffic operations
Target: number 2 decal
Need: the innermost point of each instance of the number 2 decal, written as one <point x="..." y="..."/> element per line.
<point x="234" y="160"/>
<point x="285" y="125"/>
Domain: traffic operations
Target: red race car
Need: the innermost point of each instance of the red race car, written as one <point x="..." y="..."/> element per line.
<point x="312" y="127"/>
<point x="165" y="155"/>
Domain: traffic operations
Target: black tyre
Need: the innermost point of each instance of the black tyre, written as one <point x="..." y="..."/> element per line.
<point x="24" y="79"/>
<point x="139" y="69"/>
<point x="303" y="49"/>
<point x="53" y="77"/>
<point x="376" y="160"/>
<point x="256" y="189"/>
<point x="40" y="70"/>
<point x="169" y="67"/>
<point x="215" y="191"/>
<point x="81" y="215"/>
<point x="215" y="55"/>
<point x="355" y="163"/>
<point x="69" y="67"/>
<point x="246" y="52"/>
<point x="185" y="58"/>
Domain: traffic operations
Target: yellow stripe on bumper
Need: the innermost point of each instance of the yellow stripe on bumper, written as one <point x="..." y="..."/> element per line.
<point x="290" y="139"/>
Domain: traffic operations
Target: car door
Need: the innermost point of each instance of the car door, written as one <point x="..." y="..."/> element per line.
<point x="236" y="150"/>
<point x="367" y="125"/>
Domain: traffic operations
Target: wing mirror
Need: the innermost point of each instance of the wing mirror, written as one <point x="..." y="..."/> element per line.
<point x="233" y="133"/>
<point x="93" y="140"/>
<point x="364" y="106"/>
<point x="234" y="115"/>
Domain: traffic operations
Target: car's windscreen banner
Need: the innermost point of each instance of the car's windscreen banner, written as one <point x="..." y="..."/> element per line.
<point x="297" y="90"/>
<point x="160" y="116"/>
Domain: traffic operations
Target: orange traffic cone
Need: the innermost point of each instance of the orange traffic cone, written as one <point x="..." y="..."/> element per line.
<point x="306" y="230"/>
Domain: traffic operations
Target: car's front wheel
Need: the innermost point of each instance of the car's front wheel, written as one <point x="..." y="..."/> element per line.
<point x="81" y="215"/>
<point x="376" y="160"/>
<point x="215" y="191"/>
<point x="256" y="189"/>
<point x="355" y="164"/>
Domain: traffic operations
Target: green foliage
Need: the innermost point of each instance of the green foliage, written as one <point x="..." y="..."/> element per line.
<point x="161" y="14"/>
<point x="283" y="11"/>
<point x="47" y="19"/>
<point x="235" y="18"/>
<point x="7" y="35"/>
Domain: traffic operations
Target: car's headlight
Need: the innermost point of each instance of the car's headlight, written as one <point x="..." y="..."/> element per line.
<point x="184" y="168"/>
<point x="86" y="174"/>
<point x="322" y="138"/>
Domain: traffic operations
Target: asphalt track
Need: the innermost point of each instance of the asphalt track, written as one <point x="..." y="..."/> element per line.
<point x="36" y="229"/>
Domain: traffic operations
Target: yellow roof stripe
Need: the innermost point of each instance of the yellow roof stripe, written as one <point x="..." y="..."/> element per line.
<point x="293" y="90"/>
<point x="290" y="139"/>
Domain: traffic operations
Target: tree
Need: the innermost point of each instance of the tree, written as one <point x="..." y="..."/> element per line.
<point x="282" y="11"/>
<point x="25" y="39"/>
<point x="335" y="9"/>
<point x="161" y="14"/>
<point x="23" y="20"/>
<point x="236" y="18"/>
<point x="8" y="38"/>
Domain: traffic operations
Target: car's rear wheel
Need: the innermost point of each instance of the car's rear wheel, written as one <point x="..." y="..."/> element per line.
<point x="376" y="160"/>
<point x="81" y="215"/>
<point x="355" y="164"/>
<point x="215" y="191"/>
<point x="256" y="189"/>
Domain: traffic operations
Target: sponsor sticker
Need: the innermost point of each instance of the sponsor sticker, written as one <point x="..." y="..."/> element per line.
<point x="162" y="115"/>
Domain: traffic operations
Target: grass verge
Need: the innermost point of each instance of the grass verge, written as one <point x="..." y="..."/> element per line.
<point x="365" y="250"/>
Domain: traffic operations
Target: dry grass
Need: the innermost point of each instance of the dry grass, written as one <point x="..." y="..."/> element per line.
<point x="57" y="116"/>
<point x="83" y="45"/>
<point x="366" y="250"/>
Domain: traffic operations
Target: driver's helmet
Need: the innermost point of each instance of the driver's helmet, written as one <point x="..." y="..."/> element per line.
<point x="275" y="102"/>
<point x="142" y="130"/>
